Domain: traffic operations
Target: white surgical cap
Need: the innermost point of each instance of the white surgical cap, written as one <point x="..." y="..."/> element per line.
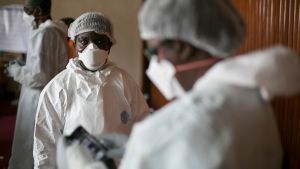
<point x="91" y="21"/>
<point x="210" y="25"/>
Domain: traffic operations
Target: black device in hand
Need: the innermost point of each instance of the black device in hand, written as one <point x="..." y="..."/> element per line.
<point x="97" y="149"/>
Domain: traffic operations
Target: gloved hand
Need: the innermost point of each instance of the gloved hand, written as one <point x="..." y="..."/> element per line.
<point x="116" y="144"/>
<point x="12" y="68"/>
<point x="75" y="156"/>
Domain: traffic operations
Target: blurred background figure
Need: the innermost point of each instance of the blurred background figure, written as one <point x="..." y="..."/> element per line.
<point x="220" y="116"/>
<point x="91" y="92"/>
<point x="67" y="21"/>
<point x="47" y="55"/>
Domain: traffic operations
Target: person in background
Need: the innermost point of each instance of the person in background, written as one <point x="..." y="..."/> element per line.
<point x="91" y="92"/>
<point x="67" y="21"/>
<point x="221" y="116"/>
<point x="47" y="55"/>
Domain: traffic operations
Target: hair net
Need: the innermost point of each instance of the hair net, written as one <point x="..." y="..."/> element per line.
<point x="91" y="21"/>
<point x="211" y="25"/>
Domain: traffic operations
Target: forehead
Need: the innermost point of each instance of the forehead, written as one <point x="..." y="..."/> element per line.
<point x="30" y="3"/>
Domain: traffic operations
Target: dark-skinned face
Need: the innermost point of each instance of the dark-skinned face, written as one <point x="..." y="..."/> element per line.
<point x="84" y="39"/>
<point x="167" y="49"/>
<point x="29" y="8"/>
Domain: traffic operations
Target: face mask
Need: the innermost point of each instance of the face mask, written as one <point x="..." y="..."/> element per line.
<point x="92" y="57"/>
<point x="29" y="19"/>
<point x="162" y="74"/>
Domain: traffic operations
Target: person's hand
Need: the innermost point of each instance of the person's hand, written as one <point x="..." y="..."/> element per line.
<point x="115" y="143"/>
<point x="12" y="68"/>
<point x="75" y="156"/>
<point x="79" y="158"/>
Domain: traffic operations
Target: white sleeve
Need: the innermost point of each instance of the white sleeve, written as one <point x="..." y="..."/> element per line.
<point x="179" y="152"/>
<point x="138" y="103"/>
<point x="171" y="139"/>
<point x="48" y="127"/>
<point x="48" y="57"/>
<point x="134" y="157"/>
<point x="30" y="78"/>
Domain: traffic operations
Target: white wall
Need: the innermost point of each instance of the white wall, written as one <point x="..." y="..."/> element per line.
<point x="123" y="14"/>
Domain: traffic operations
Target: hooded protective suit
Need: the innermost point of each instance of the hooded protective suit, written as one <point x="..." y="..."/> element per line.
<point x="47" y="55"/>
<point x="225" y="121"/>
<point x="103" y="101"/>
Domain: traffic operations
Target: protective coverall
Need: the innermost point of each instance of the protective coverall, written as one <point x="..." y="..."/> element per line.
<point x="103" y="101"/>
<point x="47" y="55"/>
<point x="225" y="121"/>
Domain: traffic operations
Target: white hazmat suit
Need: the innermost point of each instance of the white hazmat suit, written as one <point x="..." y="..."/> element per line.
<point x="103" y="101"/>
<point x="225" y="121"/>
<point x="47" y="55"/>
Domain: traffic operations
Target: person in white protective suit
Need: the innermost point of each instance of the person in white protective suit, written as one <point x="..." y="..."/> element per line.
<point x="91" y="92"/>
<point x="221" y="117"/>
<point x="47" y="55"/>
